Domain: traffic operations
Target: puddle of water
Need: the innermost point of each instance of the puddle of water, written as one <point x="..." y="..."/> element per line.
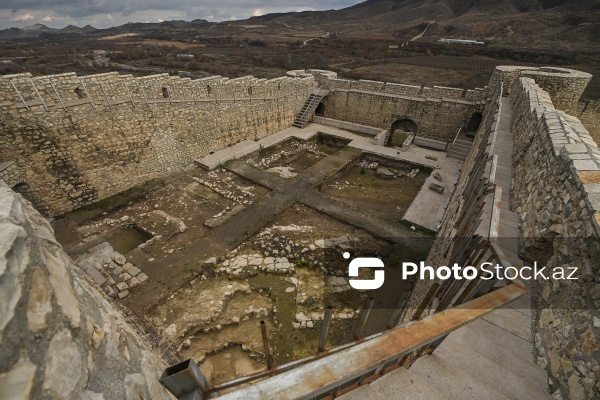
<point x="126" y="239"/>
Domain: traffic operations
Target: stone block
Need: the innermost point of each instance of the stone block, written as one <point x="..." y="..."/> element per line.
<point x="576" y="148"/>
<point x="123" y="294"/>
<point x="385" y="173"/>
<point x="122" y="286"/>
<point x="586" y="165"/>
<point x="96" y="276"/>
<point x="595" y="201"/>
<point x="119" y="259"/>
<point x="437" y="188"/>
<point x="142" y="277"/>
<point x="589" y="176"/>
<point x="124" y="277"/>
<point x="110" y="291"/>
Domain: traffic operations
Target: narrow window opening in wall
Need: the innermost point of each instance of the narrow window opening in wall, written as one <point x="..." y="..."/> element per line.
<point x="208" y="89"/>
<point x="249" y="90"/>
<point x="165" y="92"/>
<point x="79" y="92"/>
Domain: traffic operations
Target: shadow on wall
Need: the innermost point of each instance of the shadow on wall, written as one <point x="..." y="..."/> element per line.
<point x="400" y="130"/>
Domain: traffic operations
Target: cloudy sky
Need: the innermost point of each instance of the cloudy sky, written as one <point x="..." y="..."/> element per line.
<point x="106" y="13"/>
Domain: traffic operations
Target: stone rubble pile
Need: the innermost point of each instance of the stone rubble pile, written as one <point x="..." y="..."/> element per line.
<point x="227" y="188"/>
<point x="119" y="275"/>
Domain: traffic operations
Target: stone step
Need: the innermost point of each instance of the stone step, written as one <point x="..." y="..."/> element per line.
<point x="452" y="381"/>
<point x="456" y="156"/>
<point x="458" y="152"/>
<point x="522" y="365"/>
<point x="512" y="321"/>
<point x="404" y="384"/>
<point x="480" y="332"/>
<point x="503" y="380"/>
<point x="461" y="145"/>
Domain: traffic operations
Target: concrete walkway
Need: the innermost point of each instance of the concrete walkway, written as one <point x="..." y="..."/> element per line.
<point x="491" y="358"/>
<point x="425" y="211"/>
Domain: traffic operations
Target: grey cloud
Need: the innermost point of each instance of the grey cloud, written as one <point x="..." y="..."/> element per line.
<point x="221" y="9"/>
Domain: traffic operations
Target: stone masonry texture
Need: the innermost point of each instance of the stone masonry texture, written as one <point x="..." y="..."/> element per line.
<point x="123" y="131"/>
<point x="556" y="191"/>
<point x="60" y="336"/>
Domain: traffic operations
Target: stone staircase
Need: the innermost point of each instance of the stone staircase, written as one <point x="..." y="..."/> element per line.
<point x="490" y="358"/>
<point x="307" y="110"/>
<point x="459" y="149"/>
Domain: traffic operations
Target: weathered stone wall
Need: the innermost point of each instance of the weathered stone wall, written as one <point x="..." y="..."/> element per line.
<point x="439" y="253"/>
<point x="588" y="113"/>
<point x="438" y="112"/>
<point x="103" y="134"/>
<point x="557" y="193"/>
<point x="11" y="174"/>
<point x="61" y="338"/>
<point x="322" y="77"/>
<point x="564" y="86"/>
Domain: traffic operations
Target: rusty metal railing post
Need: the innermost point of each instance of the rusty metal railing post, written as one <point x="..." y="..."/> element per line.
<point x="400" y="307"/>
<point x="363" y="318"/>
<point x="325" y="328"/>
<point x="265" y="338"/>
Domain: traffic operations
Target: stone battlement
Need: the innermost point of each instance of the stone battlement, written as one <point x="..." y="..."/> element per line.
<point x="20" y="91"/>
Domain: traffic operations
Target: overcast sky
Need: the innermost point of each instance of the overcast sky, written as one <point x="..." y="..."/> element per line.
<point x="107" y="13"/>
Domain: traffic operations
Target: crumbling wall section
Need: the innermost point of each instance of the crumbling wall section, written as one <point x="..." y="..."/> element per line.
<point x="60" y="337"/>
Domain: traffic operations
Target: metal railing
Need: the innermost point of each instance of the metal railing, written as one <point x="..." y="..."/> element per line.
<point x="309" y="107"/>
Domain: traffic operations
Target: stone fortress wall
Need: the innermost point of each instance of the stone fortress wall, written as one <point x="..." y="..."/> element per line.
<point x="438" y="111"/>
<point x="61" y="337"/>
<point x="87" y="147"/>
<point x="81" y="139"/>
<point x="556" y="191"/>
<point x="588" y="113"/>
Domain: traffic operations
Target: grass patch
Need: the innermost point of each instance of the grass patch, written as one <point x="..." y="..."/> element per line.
<point x="398" y="138"/>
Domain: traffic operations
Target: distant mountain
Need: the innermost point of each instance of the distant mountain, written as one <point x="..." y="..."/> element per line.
<point x="519" y="23"/>
<point x="516" y="21"/>
<point x="37" y="27"/>
<point x="76" y="29"/>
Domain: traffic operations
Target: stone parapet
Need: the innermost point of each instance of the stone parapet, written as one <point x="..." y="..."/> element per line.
<point x="60" y="337"/>
<point x="556" y="191"/>
<point x="564" y="86"/>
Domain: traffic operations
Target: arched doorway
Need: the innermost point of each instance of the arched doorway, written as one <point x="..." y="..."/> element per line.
<point x="400" y="130"/>
<point x="473" y="125"/>
<point x="320" y="109"/>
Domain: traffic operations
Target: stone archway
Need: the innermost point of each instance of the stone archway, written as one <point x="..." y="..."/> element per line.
<point x="473" y="125"/>
<point x="400" y="130"/>
<point x="320" y="110"/>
